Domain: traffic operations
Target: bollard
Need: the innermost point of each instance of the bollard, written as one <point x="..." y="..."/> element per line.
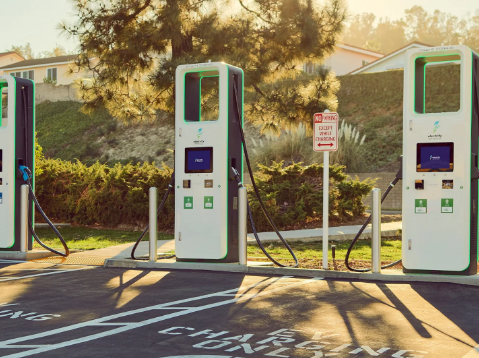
<point x="24" y="218"/>
<point x="376" y="231"/>
<point x="242" y="228"/>
<point x="153" y="226"/>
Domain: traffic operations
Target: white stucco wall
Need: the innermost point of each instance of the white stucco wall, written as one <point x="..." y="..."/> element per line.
<point x="343" y="61"/>
<point x="394" y="61"/>
<point x="63" y="77"/>
<point x="8" y="60"/>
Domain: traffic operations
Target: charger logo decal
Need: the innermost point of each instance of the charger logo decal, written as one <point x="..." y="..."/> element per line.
<point x="436" y="127"/>
<point x="198" y="135"/>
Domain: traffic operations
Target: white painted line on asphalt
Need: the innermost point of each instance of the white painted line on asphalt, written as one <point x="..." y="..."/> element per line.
<point x="473" y="353"/>
<point x="2" y="261"/>
<point x="4" y="279"/>
<point x="27" y="346"/>
<point x="112" y="324"/>
<point x="132" y="325"/>
<point x="38" y="269"/>
<point x="235" y="294"/>
<point x="174" y="308"/>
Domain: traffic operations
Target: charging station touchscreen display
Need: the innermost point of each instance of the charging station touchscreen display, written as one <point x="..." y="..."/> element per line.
<point x="199" y="160"/>
<point x="435" y="157"/>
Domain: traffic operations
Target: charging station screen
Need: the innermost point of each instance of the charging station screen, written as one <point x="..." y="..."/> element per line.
<point x="435" y="157"/>
<point x="199" y="160"/>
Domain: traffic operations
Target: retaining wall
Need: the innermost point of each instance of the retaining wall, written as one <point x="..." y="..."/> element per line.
<point x="49" y="92"/>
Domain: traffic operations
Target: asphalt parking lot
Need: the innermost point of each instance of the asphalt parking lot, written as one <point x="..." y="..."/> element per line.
<point x="79" y="311"/>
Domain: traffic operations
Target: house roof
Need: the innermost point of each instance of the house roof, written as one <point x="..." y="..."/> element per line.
<point x="402" y="49"/>
<point x="360" y="49"/>
<point x="9" y="53"/>
<point x="40" y="62"/>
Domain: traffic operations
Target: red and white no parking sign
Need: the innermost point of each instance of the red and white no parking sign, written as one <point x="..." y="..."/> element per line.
<point x="325" y="128"/>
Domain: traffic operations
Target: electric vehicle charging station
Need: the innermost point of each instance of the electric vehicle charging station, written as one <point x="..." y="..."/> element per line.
<point x="210" y="201"/>
<point x="207" y="145"/>
<point x="440" y="176"/>
<point x="17" y="136"/>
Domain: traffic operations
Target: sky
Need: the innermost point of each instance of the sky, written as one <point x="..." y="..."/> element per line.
<point x="394" y="9"/>
<point x="35" y="21"/>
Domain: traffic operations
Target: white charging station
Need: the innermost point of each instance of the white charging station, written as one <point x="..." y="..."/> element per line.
<point x="17" y="128"/>
<point x="207" y="145"/>
<point x="440" y="176"/>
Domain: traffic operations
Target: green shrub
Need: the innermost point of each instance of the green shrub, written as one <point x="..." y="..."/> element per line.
<point x="99" y="194"/>
<point x="294" y="146"/>
<point x="110" y="196"/>
<point x="293" y="194"/>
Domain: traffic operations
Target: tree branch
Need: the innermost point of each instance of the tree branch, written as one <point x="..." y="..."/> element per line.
<point x="254" y="12"/>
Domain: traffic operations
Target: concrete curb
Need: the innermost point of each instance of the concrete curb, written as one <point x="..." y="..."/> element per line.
<point x="386" y="276"/>
<point x="45" y="225"/>
<point x="341" y="237"/>
<point x="25" y="256"/>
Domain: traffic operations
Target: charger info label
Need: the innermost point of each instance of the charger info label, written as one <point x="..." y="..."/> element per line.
<point x="325" y="136"/>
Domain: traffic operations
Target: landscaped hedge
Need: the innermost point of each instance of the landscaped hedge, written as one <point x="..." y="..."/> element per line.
<point x="294" y="194"/>
<point x="98" y="194"/>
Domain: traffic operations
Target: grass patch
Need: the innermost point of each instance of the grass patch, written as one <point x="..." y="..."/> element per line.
<point x="310" y="254"/>
<point x="81" y="238"/>
<point x="390" y="250"/>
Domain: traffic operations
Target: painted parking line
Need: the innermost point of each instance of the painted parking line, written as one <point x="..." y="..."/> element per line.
<point x="4" y="279"/>
<point x="35" y="269"/>
<point x="473" y="353"/>
<point x="2" y="261"/>
<point x="120" y="327"/>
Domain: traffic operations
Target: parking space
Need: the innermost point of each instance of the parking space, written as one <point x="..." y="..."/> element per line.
<point x="18" y="270"/>
<point x="77" y="311"/>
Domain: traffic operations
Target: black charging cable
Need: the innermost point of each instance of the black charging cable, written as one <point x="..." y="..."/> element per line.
<point x="171" y="186"/>
<point x="368" y="220"/>
<point x="255" y="188"/>
<point x="27" y="176"/>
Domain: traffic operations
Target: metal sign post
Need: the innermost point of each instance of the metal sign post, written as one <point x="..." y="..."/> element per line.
<point x="325" y="139"/>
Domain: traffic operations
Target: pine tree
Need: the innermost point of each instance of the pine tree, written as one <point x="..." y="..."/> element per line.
<point x="132" y="48"/>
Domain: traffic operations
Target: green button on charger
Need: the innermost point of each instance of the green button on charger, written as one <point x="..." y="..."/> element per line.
<point x="208" y="203"/>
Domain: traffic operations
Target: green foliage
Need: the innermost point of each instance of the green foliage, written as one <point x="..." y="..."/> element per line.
<point x="291" y="101"/>
<point x="371" y="94"/>
<point x="390" y="251"/>
<point x="293" y="194"/>
<point x="110" y="196"/>
<point x="74" y="192"/>
<point x="297" y="146"/>
<point x="65" y="132"/>
<point x="27" y="53"/>
<point x="432" y="28"/>
<point x="39" y="157"/>
<point x="85" y="238"/>
<point x="134" y="47"/>
<point x="49" y="80"/>
<point x="374" y="103"/>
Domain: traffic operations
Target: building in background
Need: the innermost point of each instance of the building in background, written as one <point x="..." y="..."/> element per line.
<point x="392" y="61"/>
<point x="9" y="58"/>
<point x="345" y="59"/>
<point x="51" y="70"/>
